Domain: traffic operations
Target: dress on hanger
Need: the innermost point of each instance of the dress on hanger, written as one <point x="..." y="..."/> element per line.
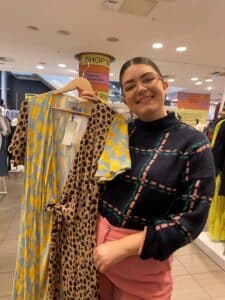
<point x="216" y="220"/>
<point x="72" y="273"/>
<point x="37" y="139"/>
<point x="3" y="147"/>
<point x="37" y="143"/>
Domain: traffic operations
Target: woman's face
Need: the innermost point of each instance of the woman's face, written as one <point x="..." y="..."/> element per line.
<point x="144" y="92"/>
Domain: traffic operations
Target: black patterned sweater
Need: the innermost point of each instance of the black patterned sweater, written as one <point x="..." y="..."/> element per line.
<point x="168" y="189"/>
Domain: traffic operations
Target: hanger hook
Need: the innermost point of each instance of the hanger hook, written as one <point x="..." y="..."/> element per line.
<point x="88" y="65"/>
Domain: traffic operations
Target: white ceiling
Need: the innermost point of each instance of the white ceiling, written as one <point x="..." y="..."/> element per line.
<point x="197" y="24"/>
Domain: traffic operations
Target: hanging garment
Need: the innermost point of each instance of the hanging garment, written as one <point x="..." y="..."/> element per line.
<point x="37" y="143"/>
<point x="72" y="273"/>
<point x="102" y="117"/>
<point x="4" y="132"/>
<point x="3" y="156"/>
<point x="115" y="158"/>
<point x="216" y="220"/>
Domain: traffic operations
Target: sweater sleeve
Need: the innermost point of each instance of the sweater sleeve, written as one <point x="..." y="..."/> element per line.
<point x="189" y="209"/>
<point x="18" y="144"/>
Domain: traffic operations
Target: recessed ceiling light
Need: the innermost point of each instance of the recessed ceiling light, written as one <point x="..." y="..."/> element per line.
<point x="171" y="80"/>
<point x="209" y="80"/>
<point x="73" y="71"/>
<point x="6" y="59"/>
<point x="209" y="88"/>
<point x="63" y="32"/>
<point x="198" y="82"/>
<point x="157" y="45"/>
<point x="112" y="39"/>
<point x="111" y="74"/>
<point x="194" y="78"/>
<point x="32" y="28"/>
<point x="62" y="65"/>
<point x="40" y="67"/>
<point x="181" y="49"/>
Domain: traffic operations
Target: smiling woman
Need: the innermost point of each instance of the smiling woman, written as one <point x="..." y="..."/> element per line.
<point x="158" y="205"/>
<point x="144" y="89"/>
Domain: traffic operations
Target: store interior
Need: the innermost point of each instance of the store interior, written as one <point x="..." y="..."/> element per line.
<point x="40" y="50"/>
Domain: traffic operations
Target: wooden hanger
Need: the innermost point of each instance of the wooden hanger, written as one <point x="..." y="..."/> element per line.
<point x="78" y="83"/>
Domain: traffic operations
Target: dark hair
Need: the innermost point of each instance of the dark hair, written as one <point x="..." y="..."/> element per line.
<point x="138" y="61"/>
<point x="1" y="102"/>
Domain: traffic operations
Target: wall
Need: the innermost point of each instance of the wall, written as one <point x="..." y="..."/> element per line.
<point x="17" y="88"/>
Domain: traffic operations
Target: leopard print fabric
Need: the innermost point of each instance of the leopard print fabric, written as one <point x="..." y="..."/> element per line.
<point x="17" y="146"/>
<point x="72" y="274"/>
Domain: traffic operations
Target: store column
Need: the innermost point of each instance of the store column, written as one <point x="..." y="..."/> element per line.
<point x="96" y="68"/>
<point x="222" y="103"/>
<point x="4" y="86"/>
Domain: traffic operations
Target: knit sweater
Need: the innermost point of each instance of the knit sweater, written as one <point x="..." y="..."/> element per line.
<point x="167" y="191"/>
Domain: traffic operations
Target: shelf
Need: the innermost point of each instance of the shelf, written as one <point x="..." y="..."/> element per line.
<point x="215" y="250"/>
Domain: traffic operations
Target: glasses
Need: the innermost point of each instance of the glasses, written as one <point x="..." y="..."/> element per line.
<point x="146" y="81"/>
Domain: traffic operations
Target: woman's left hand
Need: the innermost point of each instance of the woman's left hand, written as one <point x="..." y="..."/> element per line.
<point x="113" y="252"/>
<point x="108" y="254"/>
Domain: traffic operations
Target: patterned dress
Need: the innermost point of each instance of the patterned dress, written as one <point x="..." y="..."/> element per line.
<point x="216" y="221"/>
<point x="38" y="144"/>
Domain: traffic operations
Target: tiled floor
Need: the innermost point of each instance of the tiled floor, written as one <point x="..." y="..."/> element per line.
<point x="196" y="276"/>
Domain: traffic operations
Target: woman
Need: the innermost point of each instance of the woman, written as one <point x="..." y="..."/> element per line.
<point x="161" y="203"/>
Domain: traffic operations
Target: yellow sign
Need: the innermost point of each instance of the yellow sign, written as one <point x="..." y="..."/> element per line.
<point x="190" y="115"/>
<point x="95" y="59"/>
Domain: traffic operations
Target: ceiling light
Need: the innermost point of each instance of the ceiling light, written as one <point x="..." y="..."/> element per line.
<point x="171" y="80"/>
<point x="181" y="49"/>
<point x="111" y="4"/>
<point x="62" y="65"/>
<point x="32" y="28"/>
<point x="111" y="74"/>
<point x="157" y="45"/>
<point x="6" y="59"/>
<point x="194" y="78"/>
<point x="198" y="82"/>
<point x="40" y="67"/>
<point x="137" y="7"/>
<point x="209" y="80"/>
<point x="63" y="32"/>
<point x="209" y="88"/>
<point x="73" y="71"/>
<point x="112" y="39"/>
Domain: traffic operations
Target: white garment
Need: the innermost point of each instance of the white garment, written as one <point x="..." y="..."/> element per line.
<point x="3" y="126"/>
<point x="3" y="111"/>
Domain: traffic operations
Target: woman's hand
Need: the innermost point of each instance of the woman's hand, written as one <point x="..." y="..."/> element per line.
<point x="108" y="254"/>
<point x="113" y="252"/>
<point x="91" y="96"/>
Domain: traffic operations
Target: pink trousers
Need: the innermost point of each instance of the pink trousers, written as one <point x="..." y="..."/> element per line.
<point x="133" y="278"/>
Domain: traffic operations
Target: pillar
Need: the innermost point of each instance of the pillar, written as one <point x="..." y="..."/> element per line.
<point x="4" y="86"/>
<point x="95" y="67"/>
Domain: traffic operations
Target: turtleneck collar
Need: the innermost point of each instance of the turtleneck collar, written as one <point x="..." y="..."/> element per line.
<point x="158" y="125"/>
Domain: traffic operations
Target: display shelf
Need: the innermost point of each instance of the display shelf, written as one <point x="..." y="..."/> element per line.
<point x="215" y="250"/>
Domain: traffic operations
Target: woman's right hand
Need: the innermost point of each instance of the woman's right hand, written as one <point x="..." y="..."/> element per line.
<point x="91" y="96"/>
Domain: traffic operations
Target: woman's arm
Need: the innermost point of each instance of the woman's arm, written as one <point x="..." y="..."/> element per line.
<point x="111" y="253"/>
<point x="190" y="208"/>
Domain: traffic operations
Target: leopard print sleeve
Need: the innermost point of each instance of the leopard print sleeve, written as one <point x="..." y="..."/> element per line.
<point x="18" y="144"/>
